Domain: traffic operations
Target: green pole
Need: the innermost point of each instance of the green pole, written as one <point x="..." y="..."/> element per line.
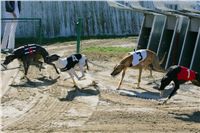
<point x="78" y="23"/>
<point x="40" y="31"/>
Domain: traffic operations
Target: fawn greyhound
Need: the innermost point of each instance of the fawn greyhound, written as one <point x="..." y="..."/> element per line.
<point x="142" y="58"/>
<point x="29" y="54"/>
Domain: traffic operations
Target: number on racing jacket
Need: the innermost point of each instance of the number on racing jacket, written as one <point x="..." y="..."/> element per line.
<point x="139" y="53"/>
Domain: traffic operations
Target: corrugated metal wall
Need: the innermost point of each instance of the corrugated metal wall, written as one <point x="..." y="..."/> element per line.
<point x="177" y="36"/>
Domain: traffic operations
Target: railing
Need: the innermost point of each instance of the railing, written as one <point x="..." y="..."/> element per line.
<point x="39" y="35"/>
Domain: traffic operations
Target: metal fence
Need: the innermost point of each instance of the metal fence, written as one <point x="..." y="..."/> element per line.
<point x="19" y="20"/>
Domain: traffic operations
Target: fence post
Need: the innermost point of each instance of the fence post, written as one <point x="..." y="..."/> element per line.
<point x="40" y="31"/>
<point x="79" y="24"/>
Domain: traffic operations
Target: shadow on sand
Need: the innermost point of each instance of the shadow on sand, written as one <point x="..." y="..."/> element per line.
<point x="42" y="81"/>
<point x="140" y="93"/>
<point x="87" y="91"/>
<point x="194" y="117"/>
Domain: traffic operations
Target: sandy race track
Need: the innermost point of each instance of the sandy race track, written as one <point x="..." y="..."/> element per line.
<point x="51" y="104"/>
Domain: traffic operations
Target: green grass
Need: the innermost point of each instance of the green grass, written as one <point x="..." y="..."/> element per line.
<point x="106" y="53"/>
<point x="108" y="50"/>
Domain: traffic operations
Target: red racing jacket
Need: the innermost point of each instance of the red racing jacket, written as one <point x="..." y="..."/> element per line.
<point x="186" y="74"/>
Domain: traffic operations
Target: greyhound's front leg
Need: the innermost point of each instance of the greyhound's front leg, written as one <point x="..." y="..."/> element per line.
<point x="55" y="68"/>
<point x="176" y="87"/>
<point x="74" y="73"/>
<point x="120" y="82"/>
<point x="151" y="74"/>
<point x="72" y="76"/>
<point x="150" y="67"/>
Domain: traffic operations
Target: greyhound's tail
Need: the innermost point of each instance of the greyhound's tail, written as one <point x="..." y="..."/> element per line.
<point x="156" y="64"/>
<point x="95" y="64"/>
<point x="162" y="60"/>
<point x="198" y="76"/>
<point x="197" y="80"/>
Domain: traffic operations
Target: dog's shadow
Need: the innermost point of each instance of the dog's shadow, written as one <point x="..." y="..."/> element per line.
<point x="41" y="81"/>
<point x="144" y="94"/>
<point x="88" y="91"/>
<point x="6" y="69"/>
<point x="194" y="117"/>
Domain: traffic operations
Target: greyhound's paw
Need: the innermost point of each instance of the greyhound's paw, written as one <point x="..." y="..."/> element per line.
<point x="150" y="76"/>
<point x="162" y="102"/>
<point x="57" y="77"/>
<point x="50" y="77"/>
<point x="79" y="78"/>
<point x="156" y="87"/>
<point x="76" y="87"/>
<point x="138" y="87"/>
<point x="22" y="78"/>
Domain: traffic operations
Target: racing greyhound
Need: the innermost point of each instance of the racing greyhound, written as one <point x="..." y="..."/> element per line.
<point x="142" y="58"/>
<point x="179" y="75"/>
<point x="68" y="64"/>
<point x="29" y="54"/>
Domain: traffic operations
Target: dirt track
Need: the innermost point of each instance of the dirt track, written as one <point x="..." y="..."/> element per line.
<point x="47" y="104"/>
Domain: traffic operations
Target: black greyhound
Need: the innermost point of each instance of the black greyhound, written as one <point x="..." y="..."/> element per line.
<point x="29" y="54"/>
<point x="179" y="75"/>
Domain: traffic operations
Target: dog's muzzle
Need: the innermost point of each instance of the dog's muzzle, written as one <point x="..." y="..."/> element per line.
<point x="112" y="74"/>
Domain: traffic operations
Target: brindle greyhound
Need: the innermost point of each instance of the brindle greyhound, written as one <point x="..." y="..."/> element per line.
<point x="29" y="54"/>
<point x="144" y="61"/>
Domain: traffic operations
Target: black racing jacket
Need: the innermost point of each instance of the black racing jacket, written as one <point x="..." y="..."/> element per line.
<point x="72" y="61"/>
<point x="29" y="50"/>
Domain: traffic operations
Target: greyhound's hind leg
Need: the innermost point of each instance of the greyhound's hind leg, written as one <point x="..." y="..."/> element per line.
<point x="26" y="64"/>
<point x="196" y="82"/>
<point x="139" y="77"/>
<point x="40" y="65"/>
<point x="55" y="68"/>
<point x="82" y="71"/>
<point x="150" y="67"/>
<point x="151" y="74"/>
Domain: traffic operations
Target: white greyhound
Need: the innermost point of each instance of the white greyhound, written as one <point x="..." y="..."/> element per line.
<point x="68" y="64"/>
